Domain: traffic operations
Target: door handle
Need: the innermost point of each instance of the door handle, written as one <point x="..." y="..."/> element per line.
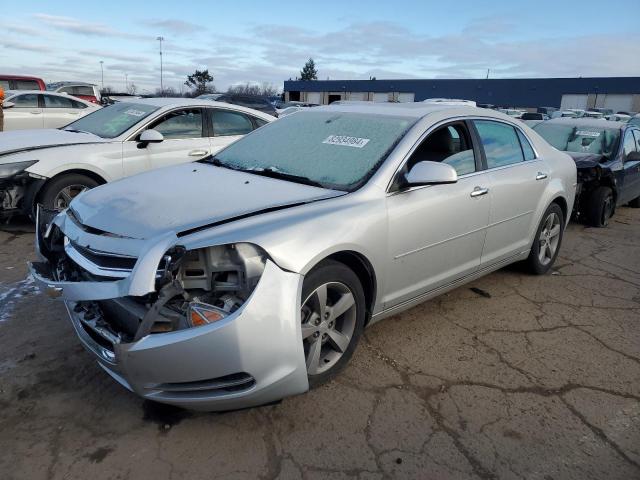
<point x="34" y="113"/>
<point x="541" y="176"/>
<point x="478" y="191"/>
<point x="197" y="153"/>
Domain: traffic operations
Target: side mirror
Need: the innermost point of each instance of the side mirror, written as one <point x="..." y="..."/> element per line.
<point x="149" y="136"/>
<point x="7" y="104"/>
<point x="429" y="173"/>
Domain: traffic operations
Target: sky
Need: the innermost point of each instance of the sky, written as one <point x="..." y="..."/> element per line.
<point x="269" y="42"/>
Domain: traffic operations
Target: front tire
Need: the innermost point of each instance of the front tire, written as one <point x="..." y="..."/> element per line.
<point x="333" y="315"/>
<point x="547" y="241"/>
<point x="599" y="207"/>
<point x="58" y="192"/>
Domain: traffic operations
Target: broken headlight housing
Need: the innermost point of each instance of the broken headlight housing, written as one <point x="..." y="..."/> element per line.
<point x="215" y="281"/>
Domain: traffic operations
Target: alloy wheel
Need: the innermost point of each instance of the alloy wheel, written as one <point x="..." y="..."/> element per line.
<point x="64" y="196"/>
<point x="549" y="238"/>
<point x="328" y="323"/>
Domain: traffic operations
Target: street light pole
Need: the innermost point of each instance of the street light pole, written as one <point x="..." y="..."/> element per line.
<point x="101" y="74"/>
<point x="126" y="83"/>
<point x="160" y="39"/>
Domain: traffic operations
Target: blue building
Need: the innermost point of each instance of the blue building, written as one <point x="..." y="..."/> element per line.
<point x="617" y="93"/>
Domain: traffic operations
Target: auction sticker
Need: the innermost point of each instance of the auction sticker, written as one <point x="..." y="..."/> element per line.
<point x="134" y="113"/>
<point x="346" y="141"/>
<point x="586" y="133"/>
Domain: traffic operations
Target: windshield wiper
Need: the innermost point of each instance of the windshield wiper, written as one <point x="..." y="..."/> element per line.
<point x="271" y="173"/>
<point x="75" y="131"/>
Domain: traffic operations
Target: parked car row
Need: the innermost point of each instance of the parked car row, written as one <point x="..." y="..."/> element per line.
<point x="51" y="166"/>
<point x="250" y="275"/>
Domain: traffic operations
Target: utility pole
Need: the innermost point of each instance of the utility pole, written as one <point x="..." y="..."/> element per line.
<point x="101" y="74"/>
<point x="126" y="83"/>
<point x="160" y="39"/>
<point x="487" y="74"/>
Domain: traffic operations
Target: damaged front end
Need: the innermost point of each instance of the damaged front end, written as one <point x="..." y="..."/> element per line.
<point x="18" y="188"/>
<point x="177" y="325"/>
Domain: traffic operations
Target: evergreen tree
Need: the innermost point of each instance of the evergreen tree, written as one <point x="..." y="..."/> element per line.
<point x="309" y="71"/>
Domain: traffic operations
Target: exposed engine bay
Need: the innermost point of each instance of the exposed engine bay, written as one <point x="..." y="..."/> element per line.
<point x="193" y="288"/>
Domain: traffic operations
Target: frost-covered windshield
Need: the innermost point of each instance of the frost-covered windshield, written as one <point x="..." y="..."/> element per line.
<point x="581" y="139"/>
<point x="332" y="149"/>
<point x="112" y="121"/>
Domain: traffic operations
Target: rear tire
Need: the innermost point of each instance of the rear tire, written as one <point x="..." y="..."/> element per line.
<point x="330" y="337"/>
<point x="599" y="207"/>
<point x="58" y="192"/>
<point x="547" y="241"/>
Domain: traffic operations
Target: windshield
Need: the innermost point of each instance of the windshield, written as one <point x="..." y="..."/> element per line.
<point x="580" y="139"/>
<point x="112" y="121"/>
<point x="333" y="149"/>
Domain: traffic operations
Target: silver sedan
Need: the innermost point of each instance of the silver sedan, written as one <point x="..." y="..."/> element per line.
<point x="250" y="275"/>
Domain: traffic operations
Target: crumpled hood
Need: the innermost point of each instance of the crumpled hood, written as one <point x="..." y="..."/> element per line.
<point x="586" y="159"/>
<point x="24" y="140"/>
<point x="184" y="197"/>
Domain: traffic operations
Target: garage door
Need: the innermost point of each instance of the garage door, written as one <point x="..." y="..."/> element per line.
<point x="380" y="97"/>
<point x="314" y="97"/>
<point x="618" y="103"/>
<point x="572" y="100"/>
<point x="359" y="96"/>
<point x="406" y="97"/>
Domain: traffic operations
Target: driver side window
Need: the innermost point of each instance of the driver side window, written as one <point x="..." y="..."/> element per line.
<point x="449" y="144"/>
<point x="629" y="144"/>
<point x="180" y="124"/>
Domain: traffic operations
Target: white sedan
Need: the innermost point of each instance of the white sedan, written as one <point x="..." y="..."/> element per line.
<point x="30" y="109"/>
<point x="53" y="166"/>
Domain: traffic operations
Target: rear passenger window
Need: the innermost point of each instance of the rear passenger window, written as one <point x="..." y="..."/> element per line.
<point x="51" y="101"/>
<point x="527" y="150"/>
<point x="27" y="85"/>
<point x="226" y="123"/>
<point x="259" y="122"/>
<point x="500" y="142"/>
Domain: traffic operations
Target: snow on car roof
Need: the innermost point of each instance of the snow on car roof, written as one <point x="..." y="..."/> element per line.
<point x="410" y="109"/>
<point x="164" y="102"/>
<point x="587" y="122"/>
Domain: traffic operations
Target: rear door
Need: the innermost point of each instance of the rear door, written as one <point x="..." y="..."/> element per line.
<point x="59" y="111"/>
<point x="517" y="178"/>
<point x="26" y="113"/>
<point x="227" y="126"/>
<point x="631" y="178"/>
<point x="185" y="140"/>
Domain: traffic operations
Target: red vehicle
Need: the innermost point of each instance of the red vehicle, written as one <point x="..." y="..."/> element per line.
<point x="21" y="82"/>
<point x="86" y="91"/>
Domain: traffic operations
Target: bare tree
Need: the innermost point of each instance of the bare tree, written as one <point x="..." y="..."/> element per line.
<point x="132" y="88"/>
<point x="167" y="92"/>
<point x="264" y="89"/>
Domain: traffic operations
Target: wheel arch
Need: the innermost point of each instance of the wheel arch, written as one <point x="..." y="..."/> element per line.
<point x="79" y="171"/>
<point x="562" y="203"/>
<point x="362" y="267"/>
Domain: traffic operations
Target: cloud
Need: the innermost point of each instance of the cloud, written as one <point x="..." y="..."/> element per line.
<point x="178" y="27"/>
<point x="20" y="29"/>
<point x="81" y="27"/>
<point x="122" y="57"/>
<point x="29" y="47"/>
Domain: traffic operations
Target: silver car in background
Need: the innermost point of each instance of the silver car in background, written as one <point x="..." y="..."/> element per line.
<point x="250" y="275"/>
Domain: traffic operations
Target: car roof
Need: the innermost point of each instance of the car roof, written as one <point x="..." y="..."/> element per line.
<point x="410" y="109"/>
<point x="69" y="83"/>
<point x="586" y="122"/>
<point x="19" y="77"/>
<point x="169" y="102"/>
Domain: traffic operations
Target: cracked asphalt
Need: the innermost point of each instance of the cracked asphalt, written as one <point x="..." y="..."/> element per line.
<point x="510" y="377"/>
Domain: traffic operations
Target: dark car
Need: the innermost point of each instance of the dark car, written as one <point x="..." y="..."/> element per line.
<point x="534" y="116"/>
<point x="607" y="155"/>
<point x="21" y="82"/>
<point x="262" y="104"/>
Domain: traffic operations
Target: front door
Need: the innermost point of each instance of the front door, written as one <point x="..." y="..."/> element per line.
<point x="630" y="188"/>
<point x="184" y="141"/>
<point x="436" y="233"/>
